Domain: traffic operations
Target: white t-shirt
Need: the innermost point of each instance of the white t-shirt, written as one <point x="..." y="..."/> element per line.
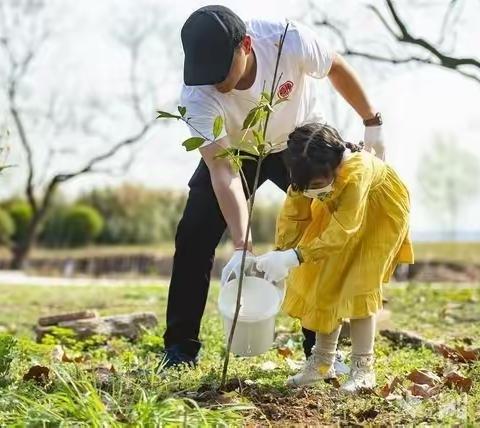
<point x="303" y="56"/>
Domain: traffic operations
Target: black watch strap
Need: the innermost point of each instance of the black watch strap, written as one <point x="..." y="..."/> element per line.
<point x="374" y="121"/>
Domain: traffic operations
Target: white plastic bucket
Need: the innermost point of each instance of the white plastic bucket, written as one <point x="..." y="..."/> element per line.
<point x="260" y="303"/>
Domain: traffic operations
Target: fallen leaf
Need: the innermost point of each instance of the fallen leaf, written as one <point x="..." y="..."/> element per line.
<point x="285" y="352"/>
<point x="388" y="388"/>
<point x="468" y="354"/>
<point x="424" y="377"/>
<point x="459" y="382"/>
<point x="38" y="374"/>
<point x="459" y="353"/>
<point x="424" y="391"/>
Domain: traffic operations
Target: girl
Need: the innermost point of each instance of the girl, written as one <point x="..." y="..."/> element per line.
<point x="344" y="228"/>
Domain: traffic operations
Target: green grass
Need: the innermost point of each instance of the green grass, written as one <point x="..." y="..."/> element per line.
<point x="134" y="395"/>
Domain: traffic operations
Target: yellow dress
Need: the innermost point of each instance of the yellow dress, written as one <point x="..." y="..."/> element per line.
<point x="351" y="243"/>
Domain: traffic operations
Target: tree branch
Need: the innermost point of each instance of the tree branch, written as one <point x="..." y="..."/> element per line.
<point x="406" y="37"/>
<point x="89" y="167"/>
<point x="26" y="146"/>
<point x="18" y="70"/>
<point x="108" y="154"/>
<point x="403" y="35"/>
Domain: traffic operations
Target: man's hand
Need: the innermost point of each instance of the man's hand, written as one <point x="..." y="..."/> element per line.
<point x="276" y="264"/>
<point x="373" y="139"/>
<point x="234" y="265"/>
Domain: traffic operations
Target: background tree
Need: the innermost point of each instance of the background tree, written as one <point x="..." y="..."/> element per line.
<point x="402" y="45"/>
<point x="45" y="130"/>
<point x="447" y="178"/>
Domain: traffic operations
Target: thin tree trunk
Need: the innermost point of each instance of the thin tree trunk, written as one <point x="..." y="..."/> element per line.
<point x="21" y="251"/>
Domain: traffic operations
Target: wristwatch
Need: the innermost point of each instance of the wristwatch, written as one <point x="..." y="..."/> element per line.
<point x="374" y="121"/>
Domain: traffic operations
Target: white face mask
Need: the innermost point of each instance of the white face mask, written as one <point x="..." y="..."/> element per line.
<point x="320" y="193"/>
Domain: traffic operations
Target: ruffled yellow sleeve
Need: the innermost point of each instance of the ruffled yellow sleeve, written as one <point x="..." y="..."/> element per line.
<point x="345" y="221"/>
<point x="293" y="219"/>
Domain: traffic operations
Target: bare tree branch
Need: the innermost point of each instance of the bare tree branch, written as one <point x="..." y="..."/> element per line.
<point x="406" y="37"/>
<point x="402" y="34"/>
<point x="452" y="5"/>
<point x="18" y="71"/>
<point x="106" y="155"/>
<point x="26" y="146"/>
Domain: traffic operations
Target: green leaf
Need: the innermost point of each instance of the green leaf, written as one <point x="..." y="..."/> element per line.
<point x="193" y="143"/>
<point x="254" y="150"/>
<point x="258" y="137"/>
<point x="166" y="115"/>
<point x="252" y="118"/>
<point x="223" y="154"/>
<point x="244" y="157"/>
<point x="217" y="126"/>
<point x="247" y="146"/>
<point x="236" y="164"/>
<point x="182" y="110"/>
<point x="266" y="95"/>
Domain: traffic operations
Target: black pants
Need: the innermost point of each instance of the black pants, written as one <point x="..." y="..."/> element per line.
<point x="198" y="234"/>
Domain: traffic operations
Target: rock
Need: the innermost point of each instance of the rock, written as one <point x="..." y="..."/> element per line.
<point x="130" y="326"/>
<point x="56" y="319"/>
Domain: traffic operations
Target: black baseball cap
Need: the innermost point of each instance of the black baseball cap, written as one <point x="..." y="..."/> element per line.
<point x="209" y="38"/>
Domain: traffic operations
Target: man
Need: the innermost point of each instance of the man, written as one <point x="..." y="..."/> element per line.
<point x="227" y="65"/>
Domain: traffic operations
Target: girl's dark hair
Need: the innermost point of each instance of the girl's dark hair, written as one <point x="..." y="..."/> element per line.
<point x="314" y="150"/>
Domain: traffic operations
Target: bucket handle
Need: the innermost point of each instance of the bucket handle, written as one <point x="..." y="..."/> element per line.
<point x="254" y="272"/>
<point x="249" y="270"/>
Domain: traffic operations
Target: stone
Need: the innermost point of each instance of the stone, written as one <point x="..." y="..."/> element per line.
<point x="130" y="326"/>
<point x="71" y="316"/>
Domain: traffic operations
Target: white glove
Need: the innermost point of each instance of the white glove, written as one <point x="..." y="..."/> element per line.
<point x="276" y="264"/>
<point x="373" y="139"/>
<point x="234" y="265"/>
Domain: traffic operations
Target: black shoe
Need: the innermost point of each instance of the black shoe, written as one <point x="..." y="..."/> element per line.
<point x="174" y="357"/>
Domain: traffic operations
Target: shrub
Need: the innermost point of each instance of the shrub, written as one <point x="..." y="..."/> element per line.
<point x="137" y="215"/>
<point x="21" y="214"/>
<point x="53" y="232"/>
<point x="7" y="227"/>
<point x="82" y="224"/>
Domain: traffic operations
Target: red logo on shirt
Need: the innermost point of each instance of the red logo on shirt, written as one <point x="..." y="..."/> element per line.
<point x="285" y="89"/>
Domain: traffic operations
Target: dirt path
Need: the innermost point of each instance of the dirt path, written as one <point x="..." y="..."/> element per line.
<point x="20" y="278"/>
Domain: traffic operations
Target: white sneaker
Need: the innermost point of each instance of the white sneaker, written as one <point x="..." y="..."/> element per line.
<point x="362" y="376"/>
<point x="313" y="371"/>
